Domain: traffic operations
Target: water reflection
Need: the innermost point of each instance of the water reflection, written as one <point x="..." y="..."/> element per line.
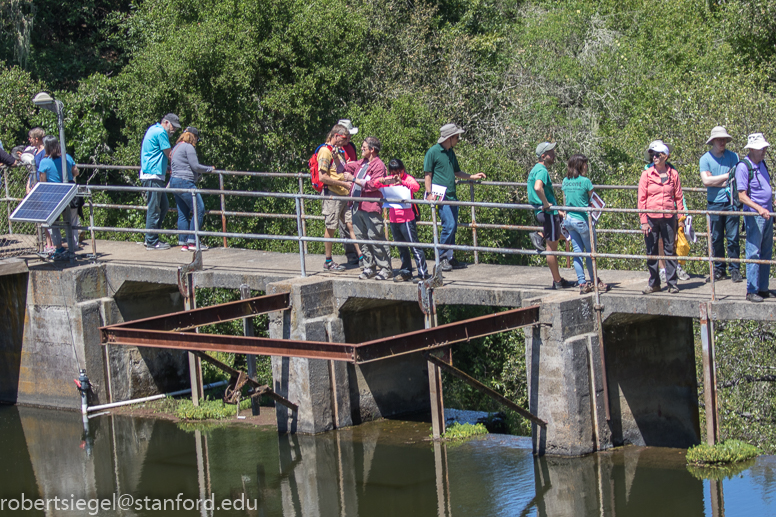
<point x="378" y="469"/>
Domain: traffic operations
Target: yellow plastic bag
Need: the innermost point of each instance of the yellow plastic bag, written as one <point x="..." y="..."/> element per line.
<point x="682" y="245"/>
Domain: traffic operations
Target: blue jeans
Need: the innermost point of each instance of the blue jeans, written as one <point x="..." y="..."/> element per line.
<point x="759" y="246"/>
<point x="724" y="227"/>
<point x="579" y="231"/>
<point x="449" y="216"/>
<point x="185" y="210"/>
<point x="158" y="205"/>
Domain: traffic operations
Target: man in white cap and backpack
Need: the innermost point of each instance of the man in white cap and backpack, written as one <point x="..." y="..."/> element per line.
<point x="715" y="168"/>
<point x="440" y="167"/>
<point x="753" y="183"/>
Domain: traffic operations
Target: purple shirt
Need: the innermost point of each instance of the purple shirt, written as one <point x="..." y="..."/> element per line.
<point x="760" y="187"/>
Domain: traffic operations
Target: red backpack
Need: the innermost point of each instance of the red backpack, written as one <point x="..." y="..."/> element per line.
<point x="312" y="164"/>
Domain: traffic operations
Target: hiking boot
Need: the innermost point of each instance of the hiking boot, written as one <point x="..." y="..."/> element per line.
<point x="765" y="294"/>
<point x="537" y="241"/>
<point x="662" y="276"/>
<point x="61" y="256"/>
<point x="403" y="276"/>
<point x="753" y="297"/>
<point x="384" y="274"/>
<point x="735" y="276"/>
<point x="330" y="265"/>
<point x="562" y="284"/>
<point x="681" y="273"/>
<point x="158" y="246"/>
<point x="651" y="289"/>
<point x="586" y="288"/>
<point x="366" y="274"/>
<point x="456" y="264"/>
<point x="445" y="265"/>
<point x="673" y="289"/>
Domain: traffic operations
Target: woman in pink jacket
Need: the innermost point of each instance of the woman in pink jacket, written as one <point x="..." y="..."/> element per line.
<point x="660" y="189"/>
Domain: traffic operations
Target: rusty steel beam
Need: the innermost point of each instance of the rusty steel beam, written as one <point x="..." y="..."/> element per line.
<point x="445" y="335"/>
<point x="231" y="344"/>
<point x="186" y="320"/>
<point x="474" y="383"/>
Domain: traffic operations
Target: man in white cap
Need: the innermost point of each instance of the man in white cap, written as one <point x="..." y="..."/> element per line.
<point x="715" y="168"/>
<point x="440" y="167"/>
<point x="754" y="191"/>
<point x="542" y="196"/>
<point x="351" y="154"/>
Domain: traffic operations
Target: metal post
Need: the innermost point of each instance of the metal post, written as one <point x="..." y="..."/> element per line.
<point x="599" y="317"/>
<point x="223" y="206"/>
<point x="299" y="223"/>
<point x="8" y="203"/>
<point x="195" y="363"/>
<point x="709" y="375"/>
<point x="436" y="234"/>
<point x="245" y="293"/>
<point x="711" y="259"/>
<point x="91" y="228"/>
<point x="474" y="224"/>
<point x="195" y="218"/>
<point x="301" y="211"/>
<point x="434" y="371"/>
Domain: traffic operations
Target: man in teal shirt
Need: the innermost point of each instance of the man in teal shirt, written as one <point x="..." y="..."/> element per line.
<point x="154" y="159"/>
<point x="441" y="168"/>
<point x="541" y="196"/>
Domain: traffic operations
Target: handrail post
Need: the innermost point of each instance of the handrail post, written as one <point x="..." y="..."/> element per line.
<point x="711" y="258"/>
<point x="599" y="320"/>
<point x="436" y="233"/>
<point x="91" y="226"/>
<point x="301" y="212"/>
<point x="299" y="222"/>
<point x="223" y="206"/>
<point x="8" y="202"/>
<point x="195" y="217"/>
<point x="474" y="223"/>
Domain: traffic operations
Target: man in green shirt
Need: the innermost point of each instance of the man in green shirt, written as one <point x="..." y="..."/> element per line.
<point x="441" y="168"/>
<point x="541" y="196"/>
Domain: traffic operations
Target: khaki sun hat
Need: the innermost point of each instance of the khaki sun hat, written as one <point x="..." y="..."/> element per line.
<point x="718" y="132"/>
<point x="756" y="141"/>
<point x="447" y="131"/>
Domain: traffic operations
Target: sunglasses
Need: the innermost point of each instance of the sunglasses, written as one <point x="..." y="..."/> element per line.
<point x="653" y="154"/>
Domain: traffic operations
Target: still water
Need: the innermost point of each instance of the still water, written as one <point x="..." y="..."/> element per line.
<point x="378" y="469"/>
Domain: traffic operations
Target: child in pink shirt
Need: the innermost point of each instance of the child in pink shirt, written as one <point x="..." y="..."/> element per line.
<point x="403" y="225"/>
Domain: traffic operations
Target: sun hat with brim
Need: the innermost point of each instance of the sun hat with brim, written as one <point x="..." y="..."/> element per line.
<point x="756" y="141"/>
<point x="718" y="132"/>
<point x="447" y="131"/>
<point x="659" y="146"/>
<point x="544" y="147"/>
<point x="348" y="125"/>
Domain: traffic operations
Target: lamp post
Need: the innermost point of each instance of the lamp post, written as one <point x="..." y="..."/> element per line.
<point x="47" y="102"/>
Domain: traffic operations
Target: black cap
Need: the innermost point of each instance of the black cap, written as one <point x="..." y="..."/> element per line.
<point x="172" y="118"/>
<point x="194" y="131"/>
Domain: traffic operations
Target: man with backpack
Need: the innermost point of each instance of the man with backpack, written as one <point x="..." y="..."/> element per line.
<point x="331" y="165"/>
<point x="716" y="166"/>
<point x="753" y="184"/>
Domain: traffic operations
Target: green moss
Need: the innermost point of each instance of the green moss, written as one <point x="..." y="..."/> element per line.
<point x="722" y="454"/>
<point x="464" y="431"/>
<point x="208" y="409"/>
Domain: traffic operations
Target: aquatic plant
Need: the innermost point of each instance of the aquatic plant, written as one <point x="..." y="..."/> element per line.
<point x="464" y="431"/>
<point x="208" y="409"/>
<point x="722" y="454"/>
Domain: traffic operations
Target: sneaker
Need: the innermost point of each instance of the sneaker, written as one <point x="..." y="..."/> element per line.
<point x="158" y="246"/>
<point x="681" y="273"/>
<point x="586" y="288"/>
<point x="662" y="276"/>
<point x="651" y="289"/>
<point x="420" y="278"/>
<point x="61" y="256"/>
<point x="403" y="276"/>
<point x="673" y="289"/>
<point x="185" y="247"/>
<point x="49" y="250"/>
<point x="366" y="274"/>
<point x="753" y="297"/>
<point x="384" y="274"/>
<point x="563" y="284"/>
<point x="330" y="265"/>
<point x="456" y="264"/>
<point x="353" y="261"/>
<point x="445" y="265"/>
<point x="537" y="241"/>
<point x="602" y="287"/>
<point x="202" y="247"/>
<point x="736" y="277"/>
<point x="765" y="294"/>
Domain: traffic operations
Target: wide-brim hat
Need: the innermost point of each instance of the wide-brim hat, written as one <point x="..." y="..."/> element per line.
<point x="657" y="145"/>
<point x="348" y="125"/>
<point x="718" y="132"/>
<point x="756" y="141"/>
<point x="544" y="147"/>
<point x="447" y="131"/>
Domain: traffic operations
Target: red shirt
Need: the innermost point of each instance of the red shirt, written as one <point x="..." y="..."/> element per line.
<point x="656" y="195"/>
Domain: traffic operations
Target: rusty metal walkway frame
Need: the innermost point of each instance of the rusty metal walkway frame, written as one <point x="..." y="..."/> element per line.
<point x="175" y="331"/>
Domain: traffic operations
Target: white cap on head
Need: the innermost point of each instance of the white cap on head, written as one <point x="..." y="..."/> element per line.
<point x="656" y="146"/>
<point x="348" y="125"/>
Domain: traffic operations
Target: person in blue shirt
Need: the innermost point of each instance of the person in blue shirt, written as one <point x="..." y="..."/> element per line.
<point x="715" y="167"/>
<point x="154" y="162"/>
<point x="51" y="171"/>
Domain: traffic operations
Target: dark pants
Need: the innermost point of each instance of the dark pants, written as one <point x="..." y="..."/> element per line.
<point x="661" y="228"/>
<point x="158" y="205"/>
<point x="724" y="228"/>
<point x="408" y="232"/>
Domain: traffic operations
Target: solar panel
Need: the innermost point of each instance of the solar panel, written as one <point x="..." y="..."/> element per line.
<point x="44" y="203"/>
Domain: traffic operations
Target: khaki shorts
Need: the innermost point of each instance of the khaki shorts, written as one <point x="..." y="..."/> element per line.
<point x="334" y="211"/>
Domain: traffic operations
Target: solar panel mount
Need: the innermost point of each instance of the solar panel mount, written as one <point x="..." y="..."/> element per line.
<point x="44" y="203"/>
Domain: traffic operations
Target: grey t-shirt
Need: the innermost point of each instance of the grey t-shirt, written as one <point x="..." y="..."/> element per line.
<point x="184" y="163"/>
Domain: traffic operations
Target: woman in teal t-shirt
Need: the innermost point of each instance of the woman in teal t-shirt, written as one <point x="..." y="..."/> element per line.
<point x="576" y="191"/>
